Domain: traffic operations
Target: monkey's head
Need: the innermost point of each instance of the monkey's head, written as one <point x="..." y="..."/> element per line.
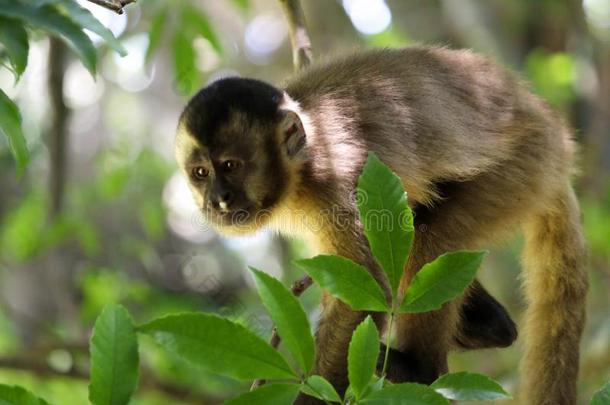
<point x="240" y="149"/>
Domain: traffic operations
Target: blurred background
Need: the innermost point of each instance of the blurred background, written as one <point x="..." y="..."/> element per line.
<point x="101" y="214"/>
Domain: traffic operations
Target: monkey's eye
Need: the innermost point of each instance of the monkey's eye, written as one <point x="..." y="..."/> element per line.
<point x="200" y="172"/>
<point x="229" y="165"/>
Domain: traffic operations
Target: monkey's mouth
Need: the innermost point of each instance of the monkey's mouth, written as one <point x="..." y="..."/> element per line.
<point x="236" y="218"/>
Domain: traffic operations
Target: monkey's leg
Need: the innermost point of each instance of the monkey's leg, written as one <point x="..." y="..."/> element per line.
<point x="425" y="339"/>
<point x="337" y="323"/>
<point x="555" y="286"/>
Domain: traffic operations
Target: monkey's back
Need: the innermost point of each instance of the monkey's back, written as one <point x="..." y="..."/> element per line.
<point x="433" y="114"/>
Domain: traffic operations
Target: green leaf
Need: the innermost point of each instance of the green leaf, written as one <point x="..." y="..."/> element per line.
<point x="156" y="32"/>
<point x="15" y="395"/>
<point x="469" y="387"/>
<point x="346" y="280"/>
<point x="85" y="19"/>
<point x="601" y="397"/>
<point x="405" y="394"/>
<point x="186" y="75"/>
<point x="386" y="217"/>
<point x="218" y="345"/>
<point x="318" y="387"/>
<point x="15" y="40"/>
<point x="270" y="394"/>
<point x="441" y="281"/>
<point x="200" y="24"/>
<point x="289" y="318"/>
<point x="362" y="356"/>
<point x="49" y="18"/>
<point x="114" y="358"/>
<point x="10" y="126"/>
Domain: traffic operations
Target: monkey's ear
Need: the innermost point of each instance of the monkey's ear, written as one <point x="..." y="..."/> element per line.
<point x="293" y="133"/>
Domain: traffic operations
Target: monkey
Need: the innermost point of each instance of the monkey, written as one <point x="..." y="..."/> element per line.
<point x="480" y="157"/>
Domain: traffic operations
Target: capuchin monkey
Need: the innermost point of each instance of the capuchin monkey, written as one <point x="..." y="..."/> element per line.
<point x="479" y="156"/>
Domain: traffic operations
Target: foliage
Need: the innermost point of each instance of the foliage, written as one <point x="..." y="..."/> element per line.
<point x="18" y="396"/>
<point x="601" y="397"/>
<point x="228" y="348"/>
<point x="62" y="18"/>
<point x="193" y="24"/>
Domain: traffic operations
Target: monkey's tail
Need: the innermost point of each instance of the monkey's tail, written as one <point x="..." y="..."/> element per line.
<point x="555" y="285"/>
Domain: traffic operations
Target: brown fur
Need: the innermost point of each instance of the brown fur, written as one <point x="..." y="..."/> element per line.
<point x="479" y="156"/>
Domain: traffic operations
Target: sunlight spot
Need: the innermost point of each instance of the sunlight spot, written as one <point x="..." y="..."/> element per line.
<point x="80" y="88"/>
<point x="368" y="16"/>
<point x="111" y="20"/>
<point x="598" y="13"/>
<point x="130" y="71"/>
<point x="263" y="36"/>
<point x="184" y="218"/>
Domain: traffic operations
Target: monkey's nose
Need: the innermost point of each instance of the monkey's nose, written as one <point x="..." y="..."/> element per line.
<point x="225" y="201"/>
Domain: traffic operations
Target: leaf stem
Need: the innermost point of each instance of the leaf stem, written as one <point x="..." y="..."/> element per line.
<point x="387" y="344"/>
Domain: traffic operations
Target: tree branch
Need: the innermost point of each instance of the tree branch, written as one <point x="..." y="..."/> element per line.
<point x="57" y="135"/>
<point x="302" y="54"/>
<point x="114" y="5"/>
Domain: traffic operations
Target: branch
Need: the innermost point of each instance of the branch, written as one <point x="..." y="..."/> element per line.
<point x="57" y="140"/>
<point x="114" y="5"/>
<point x="302" y="54"/>
<point x="298" y="288"/>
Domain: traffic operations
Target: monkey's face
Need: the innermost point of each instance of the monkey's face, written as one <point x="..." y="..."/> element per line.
<point x="238" y="173"/>
<point x="239" y="151"/>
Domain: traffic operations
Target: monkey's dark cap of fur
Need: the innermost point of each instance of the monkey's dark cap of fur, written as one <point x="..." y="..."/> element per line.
<point x="212" y="105"/>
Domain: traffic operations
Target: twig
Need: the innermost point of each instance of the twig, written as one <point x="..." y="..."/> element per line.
<point x="297" y="288"/>
<point x="114" y="5"/>
<point x="302" y="54"/>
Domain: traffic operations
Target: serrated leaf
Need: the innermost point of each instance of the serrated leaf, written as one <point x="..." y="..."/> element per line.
<point x="601" y="397"/>
<point x="219" y="346"/>
<point x="155" y="33"/>
<point x="289" y="318"/>
<point x="386" y="217"/>
<point x="270" y="394"/>
<point x="318" y="387"/>
<point x="114" y="358"/>
<point x="346" y="280"/>
<point x="186" y="75"/>
<point x="47" y="17"/>
<point x="85" y="19"/>
<point x="15" y="395"/>
<point x="200" y="24"/>
<point x="405" y="394"/>
<point x="362" y="356"/>
<point x="10" y="126"/>
<point x="15" y="40"/>
<point x="469" y="387"/>
<point x="440" y="281"/>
